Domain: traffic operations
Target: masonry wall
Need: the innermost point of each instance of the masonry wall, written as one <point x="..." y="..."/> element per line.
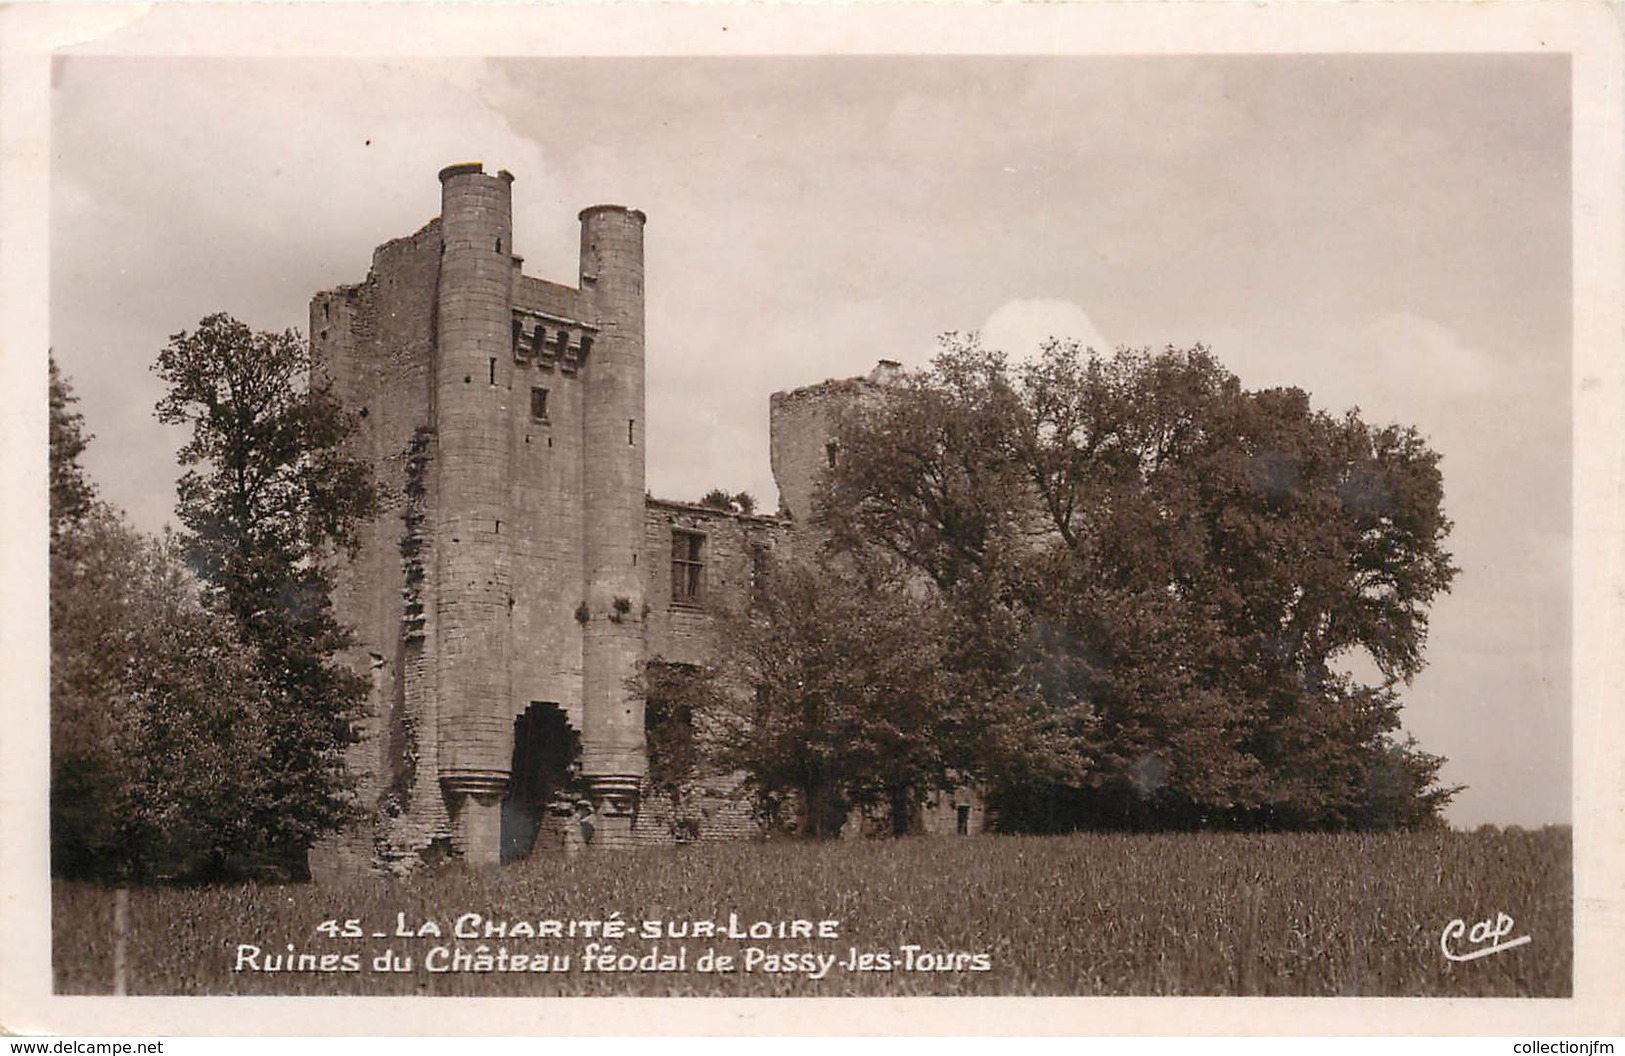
<point x="943" y="812"/>
<point x="735" y="550"/>
<point x="465" y="591"/>
<point x="373" y="343"/>
<point x="545" y="502"/>
<point x="715" y="811"/>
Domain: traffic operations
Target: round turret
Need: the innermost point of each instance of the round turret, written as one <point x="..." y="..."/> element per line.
<point x="613" y="754"/>
<point x="472" y="393"/>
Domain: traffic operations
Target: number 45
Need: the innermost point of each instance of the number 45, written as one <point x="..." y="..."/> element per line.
<point x="350" y="929"/>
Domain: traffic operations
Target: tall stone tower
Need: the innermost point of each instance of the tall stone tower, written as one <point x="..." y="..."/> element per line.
<point x="497" y="598"/>
<point x="613" y="485"/>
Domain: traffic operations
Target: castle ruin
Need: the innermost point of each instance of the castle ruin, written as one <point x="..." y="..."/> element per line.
<point x="517" y="576"/>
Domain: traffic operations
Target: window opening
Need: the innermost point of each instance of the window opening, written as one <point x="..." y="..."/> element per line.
<point x="687" y="567"/>
<point x="758" y="566"/>
<point x="493" y="370"/>
<point x="538" y="403"/>
<point x="629" y="423"/>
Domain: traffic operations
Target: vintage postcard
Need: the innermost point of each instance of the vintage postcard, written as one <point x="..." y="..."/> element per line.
<point x="807" y="510"/>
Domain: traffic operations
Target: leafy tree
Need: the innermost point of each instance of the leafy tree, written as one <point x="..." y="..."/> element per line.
<point x="1191" y="564"/>
<point x="719" y="499"/>
<point x="837" y="691"/>
<point x="672" y="694"/>
<point x="72" y="496"/>
<point x="271" y="498"/>
<point x="155" y="715"/>
<point x="157" y="721"/>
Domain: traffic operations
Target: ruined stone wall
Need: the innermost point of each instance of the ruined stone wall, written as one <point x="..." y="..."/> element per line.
<point x="564" y="303"/>
<point x="941" y="813"/>
<point x="708" y="812"/>
<point x="802" y="427"/>
<point x="516" y="559"/>
<point x="374" y="343"/>
<point x="734" y="550"/>
<point x="465" y="592"/>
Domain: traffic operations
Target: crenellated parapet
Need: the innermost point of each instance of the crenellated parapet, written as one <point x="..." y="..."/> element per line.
<point x="548" y="342"/>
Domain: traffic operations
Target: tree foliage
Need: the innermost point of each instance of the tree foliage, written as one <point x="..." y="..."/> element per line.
<point x="719" y="499"/>
<point x="1187" y="571"/>
<point x="156" y="717"/>
<point x="268" y="501"/>
<point x="849" y="706"/>
<point x="837" y="692"/>
<point x="72" y="496"/>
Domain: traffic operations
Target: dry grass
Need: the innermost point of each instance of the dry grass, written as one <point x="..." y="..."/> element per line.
<point x="1143" y="915"/>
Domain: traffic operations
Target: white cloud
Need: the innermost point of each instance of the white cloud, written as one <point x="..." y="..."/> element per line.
<point x="1412" y="353"/>
<point x="1020" y="327"/>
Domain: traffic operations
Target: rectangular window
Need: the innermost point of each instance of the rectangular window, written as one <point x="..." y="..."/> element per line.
<point x="758" y="566"/>
<point x="687" y="567"/>
<point x="538" y="404"/>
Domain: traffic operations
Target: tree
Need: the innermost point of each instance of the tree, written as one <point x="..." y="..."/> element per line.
<point x="157" y="721"/>
<point x="1192" y="564"/>
<point x="72" y="496"/>
<point x="848" y="709"/>
<point x="271" y="500"/>
<point x="155" y="715"/>
<point x="844" y="687"/>
<point x="719" y="499"/>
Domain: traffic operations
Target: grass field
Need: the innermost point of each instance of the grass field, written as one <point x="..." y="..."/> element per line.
<point x="1088" y="915"/>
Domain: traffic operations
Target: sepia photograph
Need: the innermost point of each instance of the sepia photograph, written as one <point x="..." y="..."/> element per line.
<point x="831" y="517"/>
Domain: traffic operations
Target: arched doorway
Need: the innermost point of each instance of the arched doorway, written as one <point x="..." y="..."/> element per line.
<point x="546" y="757"/>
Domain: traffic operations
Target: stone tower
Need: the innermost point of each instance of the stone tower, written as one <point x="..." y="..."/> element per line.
<point x="613" y="504"/>
<point x="497" y="598"/>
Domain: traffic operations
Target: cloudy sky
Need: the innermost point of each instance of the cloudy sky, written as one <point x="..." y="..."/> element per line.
<point x="1386" y="231"/>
